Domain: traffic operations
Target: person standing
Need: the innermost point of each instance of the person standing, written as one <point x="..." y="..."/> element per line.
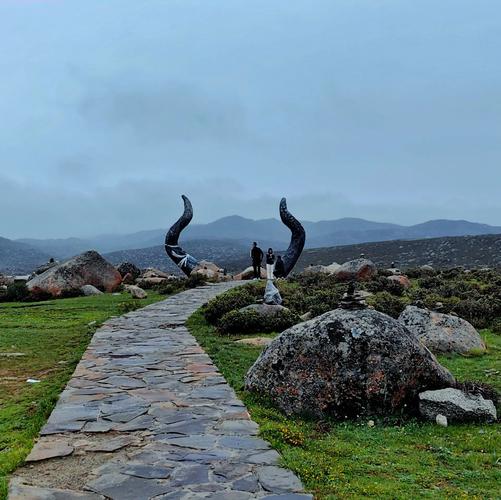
<point x="270" y="263"/>
<point x="257" y="257"/>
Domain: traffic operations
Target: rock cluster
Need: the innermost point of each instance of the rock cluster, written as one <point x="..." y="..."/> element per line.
<point x="346" y="363"/>
<point x="210" y="271"/>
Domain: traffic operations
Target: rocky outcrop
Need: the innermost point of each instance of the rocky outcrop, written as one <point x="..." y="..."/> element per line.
<point x="457" y="406"/>
<point x="69" y="277"/>
<point x="356" y="270"/>
<point x="211" y="271"/>
<point x="346" y="363"/>
<point x="440" y="332"/>
<point x="126" y="268"/>
<point x="45" y="267"/>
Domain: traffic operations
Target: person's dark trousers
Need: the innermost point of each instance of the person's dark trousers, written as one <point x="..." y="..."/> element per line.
<point x="257" y="269"/>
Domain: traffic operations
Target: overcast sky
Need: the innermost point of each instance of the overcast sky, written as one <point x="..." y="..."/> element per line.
<point x="388" y="110"/>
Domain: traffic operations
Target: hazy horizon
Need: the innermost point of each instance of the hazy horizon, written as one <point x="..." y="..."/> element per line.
<point x="388" y="111"/>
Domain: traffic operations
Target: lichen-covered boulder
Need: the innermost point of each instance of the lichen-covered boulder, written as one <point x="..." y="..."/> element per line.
<point x="69" y="277"/>
<point x="456" y="406"/>
<point x="346" y="363"/>
<point x="440" y="332"/>
<point x="356" y="270"/>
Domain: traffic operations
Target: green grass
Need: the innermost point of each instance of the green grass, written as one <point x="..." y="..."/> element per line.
<point x="52" y="335"/>
<point x="388" y="461"/>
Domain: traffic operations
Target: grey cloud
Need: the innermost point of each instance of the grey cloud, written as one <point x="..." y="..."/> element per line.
<point x="165" y="111"/>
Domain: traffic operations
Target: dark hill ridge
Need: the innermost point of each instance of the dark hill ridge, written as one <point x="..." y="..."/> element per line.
<point x="19" y="258"/>
<point x="468" y="251"/>
<point x="269" y="232"/>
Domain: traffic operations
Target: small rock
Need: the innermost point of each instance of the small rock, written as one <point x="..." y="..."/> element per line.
<point x="136" y="292"/>
<point x="441" y="420"/>
<point x="255" y="341"/>
<point x="90" y="290"/>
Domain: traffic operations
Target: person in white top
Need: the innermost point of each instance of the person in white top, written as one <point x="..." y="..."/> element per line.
<point x="270" y="263"/>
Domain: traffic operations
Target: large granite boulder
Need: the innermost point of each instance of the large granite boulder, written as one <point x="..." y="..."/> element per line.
<point x="456" y="406"/>
<point x="356" y="270"/>
<point x="69" y="277"/>
<point x="440" y="332"/>
<point x="344" y="364"/>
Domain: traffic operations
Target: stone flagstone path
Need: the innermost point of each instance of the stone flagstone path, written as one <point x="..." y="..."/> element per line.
<point x="147" y="415"/>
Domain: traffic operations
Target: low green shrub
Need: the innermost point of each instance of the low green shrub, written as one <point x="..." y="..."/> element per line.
<point x="226" y="302"/>
<point x="251" y="322"/>
<point x="16" y="292"/>
<point x="169" y="287"/>
<point x="388" y="304"/>
<point x="194" y="280"/>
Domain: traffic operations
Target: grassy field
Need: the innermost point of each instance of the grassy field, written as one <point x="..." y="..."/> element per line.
<point x="43" y="341"/>
<point x="392" y="461"/>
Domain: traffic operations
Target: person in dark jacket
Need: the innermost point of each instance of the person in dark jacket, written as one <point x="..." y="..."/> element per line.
<point x="279" y="268"/>
<point x="270" y="263"/>
<point x="257" y="257"/>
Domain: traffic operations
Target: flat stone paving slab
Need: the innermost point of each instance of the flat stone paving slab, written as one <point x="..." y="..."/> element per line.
<point x="147" y="415"/>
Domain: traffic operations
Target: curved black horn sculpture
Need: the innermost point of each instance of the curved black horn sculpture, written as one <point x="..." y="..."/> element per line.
<point x="183" y="260"/>
<point x="298" y="237"/>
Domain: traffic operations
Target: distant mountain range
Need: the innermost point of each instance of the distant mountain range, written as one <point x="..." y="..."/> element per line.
<point x="226" y="238"/>
<point x="19" y="258"/>
<point x="269" y="232"/>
